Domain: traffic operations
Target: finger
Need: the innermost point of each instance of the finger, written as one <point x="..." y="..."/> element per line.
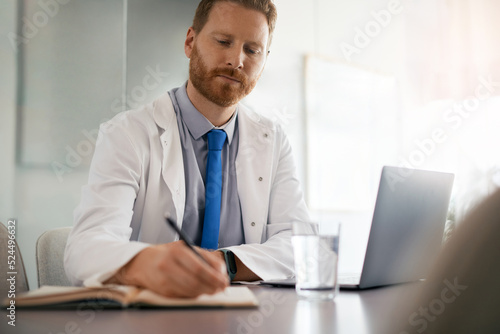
<point x="185" y="274"/>
<point x="184" y="284"/>
<point x="216" y="260"/>
<point x="189" y="285"/>
<point x="169" y="276"/>
<point x="173" y="280"/>
<point x="207" y="275"/>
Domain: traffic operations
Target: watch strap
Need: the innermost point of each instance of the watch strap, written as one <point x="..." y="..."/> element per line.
<point x="230" y="263"/>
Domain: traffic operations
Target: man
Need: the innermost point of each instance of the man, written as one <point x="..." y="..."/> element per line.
<point x="153" y="163"/>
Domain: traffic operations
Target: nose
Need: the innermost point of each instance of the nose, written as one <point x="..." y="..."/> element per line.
<point x="235" y="57"/>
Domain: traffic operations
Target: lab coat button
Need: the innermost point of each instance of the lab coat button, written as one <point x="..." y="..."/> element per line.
<point x="260" y="179"/>
<point x="253" y="224"/>
<point x="265" y="135"/>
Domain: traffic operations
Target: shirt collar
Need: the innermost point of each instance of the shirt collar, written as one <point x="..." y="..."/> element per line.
<point x="197" y="124"/>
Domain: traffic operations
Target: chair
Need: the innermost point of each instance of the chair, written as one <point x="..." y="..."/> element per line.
<point x="50" y="257"/>
<point x="21" y="280"/>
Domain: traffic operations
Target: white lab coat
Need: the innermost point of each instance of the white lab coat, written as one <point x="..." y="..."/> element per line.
<point x="136" y="179"/>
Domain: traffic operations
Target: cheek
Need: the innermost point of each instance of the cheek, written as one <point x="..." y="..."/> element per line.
<point x="255" y="69"/>
<point x="213" y="60"/>
<point x="208" y="55"/>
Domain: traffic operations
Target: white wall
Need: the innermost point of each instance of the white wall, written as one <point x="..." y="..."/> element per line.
<point x="7" y="111"/>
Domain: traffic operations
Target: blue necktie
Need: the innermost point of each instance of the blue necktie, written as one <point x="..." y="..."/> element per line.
<point x="213" y="189"/>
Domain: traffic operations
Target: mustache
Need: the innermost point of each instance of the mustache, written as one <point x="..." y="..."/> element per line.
<point x="230" y="73"/>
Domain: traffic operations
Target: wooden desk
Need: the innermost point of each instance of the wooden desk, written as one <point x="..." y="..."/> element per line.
<point x="280" y="311"/>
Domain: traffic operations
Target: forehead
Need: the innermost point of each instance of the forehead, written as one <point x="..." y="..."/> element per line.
<point x="233" y="19"/>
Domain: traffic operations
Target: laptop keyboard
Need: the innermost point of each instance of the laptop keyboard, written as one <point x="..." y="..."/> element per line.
<point x="349" y="279"/>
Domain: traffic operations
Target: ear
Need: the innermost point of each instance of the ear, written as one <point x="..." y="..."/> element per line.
<point x="189" y="43"/>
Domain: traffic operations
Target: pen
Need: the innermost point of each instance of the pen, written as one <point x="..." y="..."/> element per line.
<point x="184" y="238"/>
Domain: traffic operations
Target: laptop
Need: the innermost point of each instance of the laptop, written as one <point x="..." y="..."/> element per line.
<point x="406" y="231"/>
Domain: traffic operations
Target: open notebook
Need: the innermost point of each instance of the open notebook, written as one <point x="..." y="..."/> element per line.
<point x="120" y="296"/>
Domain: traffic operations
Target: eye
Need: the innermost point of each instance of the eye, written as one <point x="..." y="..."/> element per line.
<point x="223" y="42"/>
<point x="252" y="51"/>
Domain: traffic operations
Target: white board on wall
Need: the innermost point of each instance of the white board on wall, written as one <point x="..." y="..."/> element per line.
<point x="352" y="130"/>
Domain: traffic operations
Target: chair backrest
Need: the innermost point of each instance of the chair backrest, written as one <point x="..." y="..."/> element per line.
<point x="10" y="255"/>
<point x="50" y="257"/>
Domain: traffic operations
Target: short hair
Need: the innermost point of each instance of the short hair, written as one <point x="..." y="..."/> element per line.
<point x="266" y="7"/>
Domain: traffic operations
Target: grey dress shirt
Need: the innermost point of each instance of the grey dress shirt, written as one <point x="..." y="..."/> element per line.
<point x="193" y="127"/>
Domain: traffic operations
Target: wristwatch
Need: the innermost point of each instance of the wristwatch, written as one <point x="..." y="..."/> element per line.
<point x="230" y="263"/>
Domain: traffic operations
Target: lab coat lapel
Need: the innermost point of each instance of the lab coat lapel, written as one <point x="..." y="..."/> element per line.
<point x="172" y="162"/>
<point x="254" y="173"/>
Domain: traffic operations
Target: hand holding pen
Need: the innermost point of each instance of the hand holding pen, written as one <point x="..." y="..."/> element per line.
<point x="174" y="270"/>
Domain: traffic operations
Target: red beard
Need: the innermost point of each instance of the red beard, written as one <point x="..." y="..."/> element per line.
<point x="223" y="94"/>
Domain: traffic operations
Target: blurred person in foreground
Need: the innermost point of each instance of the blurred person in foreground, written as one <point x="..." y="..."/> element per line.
<point x="462" y="292"/>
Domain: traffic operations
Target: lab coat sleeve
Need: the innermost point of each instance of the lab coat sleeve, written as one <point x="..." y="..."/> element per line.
<point x="99" y="244"/>
<point x="273" y="259"/>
